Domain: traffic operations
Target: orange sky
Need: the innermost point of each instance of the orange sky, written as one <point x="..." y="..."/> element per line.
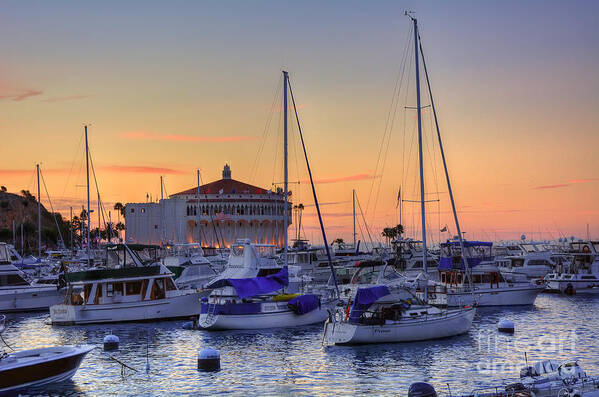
<point x="168" y="90"/>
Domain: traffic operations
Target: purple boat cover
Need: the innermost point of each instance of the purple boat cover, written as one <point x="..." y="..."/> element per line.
<point x="364" y="298"/>
<point x="304" y="304"/>
<point x="248" y="287"/>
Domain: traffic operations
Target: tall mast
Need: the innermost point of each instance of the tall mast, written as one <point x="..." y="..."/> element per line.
<point x="421" y="163"/>
<point x="162" y="237"/>
<point x="455" y="214"/>
<point x="99" y="220"/>
<point x="285" y="183"/>
<point x="39" y="214"/>
<point x="199" y="211"/>
<point x="354" y="214"/>
<point x="71" y="227"/>
<point x="87" y="173"/>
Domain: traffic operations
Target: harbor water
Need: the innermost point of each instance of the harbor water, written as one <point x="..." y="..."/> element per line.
<point x="293" y="362"/>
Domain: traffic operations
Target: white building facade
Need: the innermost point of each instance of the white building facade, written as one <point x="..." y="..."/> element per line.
<point x="226" y="210"/>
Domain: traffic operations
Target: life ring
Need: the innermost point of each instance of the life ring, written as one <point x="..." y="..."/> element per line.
<point x="586" y="249"/>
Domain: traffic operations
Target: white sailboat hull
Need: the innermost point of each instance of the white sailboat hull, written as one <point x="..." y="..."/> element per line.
<point x="28" y="298"/>
<point x="277" y="319"/>
<point x="180" y="306"/>
<point x="455" y="322"/>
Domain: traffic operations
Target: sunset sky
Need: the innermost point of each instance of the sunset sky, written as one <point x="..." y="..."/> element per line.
<point x="171" y="87"/>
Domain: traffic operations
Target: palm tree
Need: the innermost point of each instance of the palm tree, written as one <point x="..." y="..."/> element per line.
<point x="390" y="233"/>
<point x="120" y="209"/>
<point x="338" y="241"/>
<point x="399" y="229"/>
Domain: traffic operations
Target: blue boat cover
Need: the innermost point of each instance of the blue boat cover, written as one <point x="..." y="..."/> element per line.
<point x="248" y="287"/>
<point x="364" y="298"/>
<point x="304" y="304"/>
<point x="449" y="263"/>
<point x="446" y="263"/>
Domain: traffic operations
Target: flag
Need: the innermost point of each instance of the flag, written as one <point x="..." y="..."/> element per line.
<point x="398" y="198"/>
<point x="444" y="228"/>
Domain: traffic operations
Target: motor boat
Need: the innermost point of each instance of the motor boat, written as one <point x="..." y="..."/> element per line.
<point x="38" y="367"/>
<point x="18" y="294"/>
<point x="482" y="284"/>
<point x="379" y="315"/>
<point x="581" y="274"/>
<point x="529" y="266"/>
<point x="547" y="378"/>
<point x="131" y="293"/>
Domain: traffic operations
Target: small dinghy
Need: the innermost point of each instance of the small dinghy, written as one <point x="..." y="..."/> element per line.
<point x="32" y="368"/>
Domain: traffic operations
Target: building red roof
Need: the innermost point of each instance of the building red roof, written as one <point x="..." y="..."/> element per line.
<point x="224" y="186"/>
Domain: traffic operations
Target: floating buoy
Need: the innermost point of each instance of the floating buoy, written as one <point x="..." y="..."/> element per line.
<point x="506" y="326"/>
<point x="111" y="342"/>
<point x="208" y="360"/>
<point x="421" y="389"/>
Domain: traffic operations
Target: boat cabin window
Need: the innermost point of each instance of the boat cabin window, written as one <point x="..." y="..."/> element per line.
<point x="517" y="262"/>
<point x="157" y="289"/>
<point x="4" y="255"/>
<point x="365" y="276"/>
<point x="113" y="289"/>
<point x="87" y="289"/>
<point x="268" y="272"/>
<point x="98" y="294"/>
<point x="170" y="286"/>
<point x="12" y="279"/>
<point x="133" y="287"/>
<point x="451" y="277"/>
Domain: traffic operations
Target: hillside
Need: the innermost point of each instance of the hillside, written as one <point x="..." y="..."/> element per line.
<point x="22" y="209"/>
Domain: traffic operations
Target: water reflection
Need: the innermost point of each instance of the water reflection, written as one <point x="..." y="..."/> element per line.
<point x="294" y="362"/>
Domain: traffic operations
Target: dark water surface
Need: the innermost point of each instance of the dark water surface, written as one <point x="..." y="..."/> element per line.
<point x="293" y="362"/>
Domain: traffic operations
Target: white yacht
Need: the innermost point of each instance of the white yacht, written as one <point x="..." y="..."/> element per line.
<point x="529" y="266"/>
<point x="581" y="274"/>
<point x="129" y="293"/>
<point x="482" y="284"/>
<point x="18" y="294"/>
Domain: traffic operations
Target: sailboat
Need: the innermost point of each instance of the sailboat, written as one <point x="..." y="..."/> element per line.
<point x="382" y="314"/>
<point x="267" y="299"/>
